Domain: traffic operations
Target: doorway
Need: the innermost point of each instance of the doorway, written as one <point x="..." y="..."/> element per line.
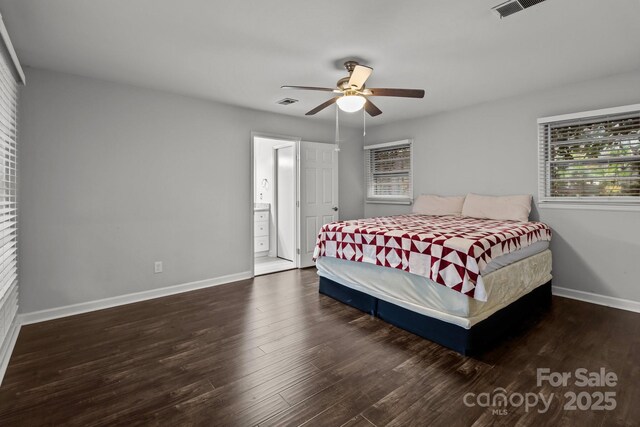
<point x="294" y="191"/>
<point x="274" y="204"/>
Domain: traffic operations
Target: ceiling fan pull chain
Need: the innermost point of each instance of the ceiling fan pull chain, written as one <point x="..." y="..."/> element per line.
<point x="337" y="129"/>
<point x="364" y="125"/>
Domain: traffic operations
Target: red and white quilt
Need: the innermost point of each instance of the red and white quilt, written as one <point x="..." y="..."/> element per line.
<point x="449" y="250"/>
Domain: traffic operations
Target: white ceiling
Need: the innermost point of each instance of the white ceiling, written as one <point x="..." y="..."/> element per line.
<point x="240" y="51"/>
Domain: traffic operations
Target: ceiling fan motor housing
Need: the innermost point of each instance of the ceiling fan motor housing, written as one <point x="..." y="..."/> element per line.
<point x="343" y="84"/>
<point x="350" y="66"/>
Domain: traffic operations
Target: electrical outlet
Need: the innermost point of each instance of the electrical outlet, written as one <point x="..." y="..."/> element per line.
<point x="157" y="267"/>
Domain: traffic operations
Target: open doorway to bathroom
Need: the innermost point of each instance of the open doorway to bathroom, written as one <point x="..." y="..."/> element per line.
<point x="274" y="209"/>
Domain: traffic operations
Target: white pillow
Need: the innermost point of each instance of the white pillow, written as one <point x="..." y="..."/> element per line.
<point x="429" y="204"/>
<point x="515" y="208"/>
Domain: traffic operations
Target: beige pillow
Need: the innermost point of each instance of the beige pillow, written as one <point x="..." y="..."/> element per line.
<point x="429" y="204"/>
<point x="515" y="208"/>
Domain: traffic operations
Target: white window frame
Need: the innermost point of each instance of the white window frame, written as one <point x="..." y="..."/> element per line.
<point x="398" y="200"/>
<point x="629" y="203"/>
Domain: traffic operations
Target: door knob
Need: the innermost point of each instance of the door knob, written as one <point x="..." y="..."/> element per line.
<point x="335" y="208"/>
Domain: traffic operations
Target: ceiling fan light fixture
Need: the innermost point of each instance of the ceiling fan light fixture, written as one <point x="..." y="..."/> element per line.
<point x="351" y="103"/>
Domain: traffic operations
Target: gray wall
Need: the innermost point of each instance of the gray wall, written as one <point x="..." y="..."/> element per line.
<point x="114" y="177"/>
<point x="492" y="149"/>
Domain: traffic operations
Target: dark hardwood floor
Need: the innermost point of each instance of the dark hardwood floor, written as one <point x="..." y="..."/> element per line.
<point x="272" y="351"/>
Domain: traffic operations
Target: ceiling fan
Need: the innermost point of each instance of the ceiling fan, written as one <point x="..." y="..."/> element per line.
<point x="353" y="95"/>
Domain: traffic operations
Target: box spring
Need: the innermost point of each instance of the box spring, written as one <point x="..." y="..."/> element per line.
<point x="480" y="337"/>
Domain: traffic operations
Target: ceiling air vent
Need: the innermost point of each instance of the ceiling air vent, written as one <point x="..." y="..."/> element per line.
<point x="287" y="101"/>
<point x="513" y="6"/>
<point x="529" y="3"/>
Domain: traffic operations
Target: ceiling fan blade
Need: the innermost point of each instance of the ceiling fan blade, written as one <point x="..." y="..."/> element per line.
<point x="322" y="106"/>
<point x="324" y="89"/>
<point x="403" y="93"/>
<point x="372" y="109"/>
<point x="359" y="76"/>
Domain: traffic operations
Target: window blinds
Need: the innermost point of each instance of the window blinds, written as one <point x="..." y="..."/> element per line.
<point x="9" y="71"/>
<point x="388" y="172"/>
<point x="591" y="157"/>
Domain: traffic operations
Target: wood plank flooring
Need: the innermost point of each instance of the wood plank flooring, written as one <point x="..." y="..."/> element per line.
<point x="271" y="352"/>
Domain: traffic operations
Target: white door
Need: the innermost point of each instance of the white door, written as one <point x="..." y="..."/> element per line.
<point x="286" y="202"/>
<point x="318" y="194"/>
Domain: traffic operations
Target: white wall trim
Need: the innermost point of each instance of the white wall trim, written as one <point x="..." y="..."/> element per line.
<point x="592" y="113"/>
<point x="389" y="144"/>
<point x="622" y="304"/>
<point x="85" y="307"/>
<point x="602" y="206"/>
<point x="7" y="347"/>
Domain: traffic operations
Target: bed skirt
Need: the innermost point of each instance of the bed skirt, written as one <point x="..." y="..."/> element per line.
<point x="480" y="337"/>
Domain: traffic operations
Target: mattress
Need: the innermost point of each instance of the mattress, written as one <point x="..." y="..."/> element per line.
<point x="450" y="250"/>
<point x="417" y="293"/>
<point x="511" y="257"/>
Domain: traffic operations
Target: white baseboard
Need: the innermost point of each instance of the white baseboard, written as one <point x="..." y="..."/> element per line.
<point x="7" y="347"/>
<point x="622" y="304"/>
<point x="85" y="307"/>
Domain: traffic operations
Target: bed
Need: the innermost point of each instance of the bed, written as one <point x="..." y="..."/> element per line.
<point x="462" y="282"/>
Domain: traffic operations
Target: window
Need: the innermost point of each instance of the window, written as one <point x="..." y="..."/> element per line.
<point x="388" y="172"/>
<point x="591" y="158"/>
<point x="10" y="71"/>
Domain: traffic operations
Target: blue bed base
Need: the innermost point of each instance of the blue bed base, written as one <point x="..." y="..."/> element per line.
<point x="481" y="337"/>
